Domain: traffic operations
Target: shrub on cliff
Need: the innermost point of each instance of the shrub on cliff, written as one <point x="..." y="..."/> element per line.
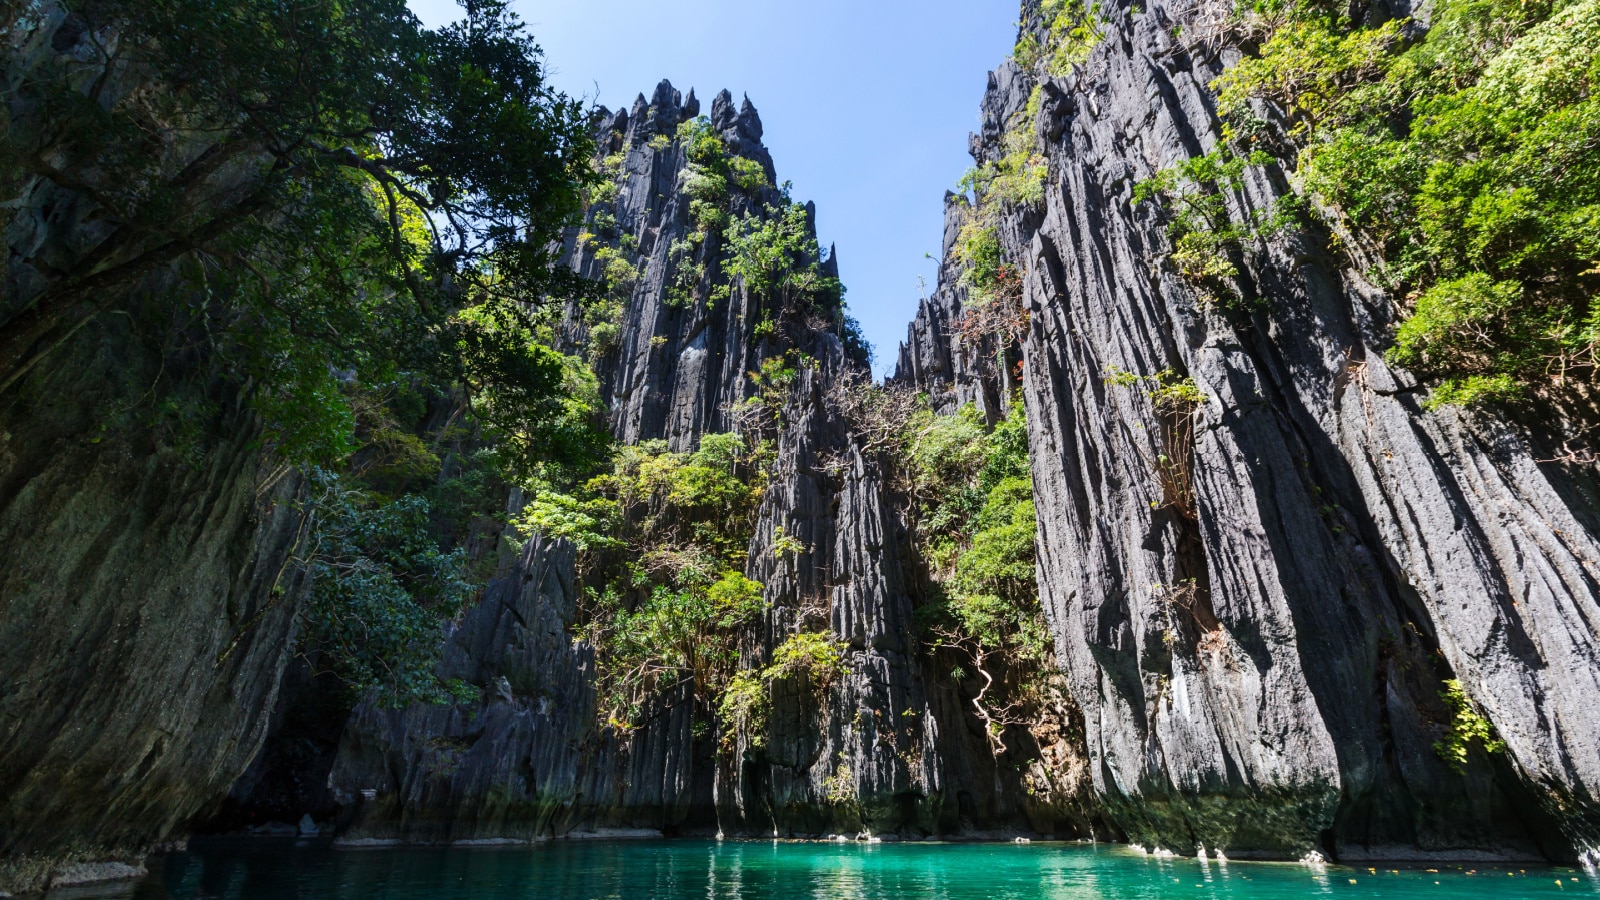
<point x="1469" y="157"/>
<point x="973" y="518"/>
<point x="663" y="538"/>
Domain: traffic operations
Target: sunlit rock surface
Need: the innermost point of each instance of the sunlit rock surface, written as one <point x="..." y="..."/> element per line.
<point x="1350" y="552"/>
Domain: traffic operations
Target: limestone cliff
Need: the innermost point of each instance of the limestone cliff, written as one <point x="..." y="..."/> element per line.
<point x="1258" y="597"/>
<point x="1264" y="676"/>
<point x="882" y="749"/>
<point x="147" y="599"/>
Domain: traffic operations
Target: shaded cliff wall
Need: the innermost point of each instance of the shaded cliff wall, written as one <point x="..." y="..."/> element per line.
<point x="883" y="749"/>
<point x="531" y="758"/>
<point x="891" y="746"/>
<point x="146" y="611"/>
<point x="1350" y="550"/>
<point x="147" y="599"/>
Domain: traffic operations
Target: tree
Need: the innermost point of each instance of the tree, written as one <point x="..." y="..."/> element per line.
<point x="324" y="212"/>
<point x="333" y="184"/>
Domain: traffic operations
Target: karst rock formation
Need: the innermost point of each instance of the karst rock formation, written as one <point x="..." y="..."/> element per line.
<point x="1259" y="671"/>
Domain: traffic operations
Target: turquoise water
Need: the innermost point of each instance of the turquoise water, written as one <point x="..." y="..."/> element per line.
<point x="693" y="870"/>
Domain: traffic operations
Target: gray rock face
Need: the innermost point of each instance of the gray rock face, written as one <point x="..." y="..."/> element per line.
<point x="1266" y="678"/>
<point x="528" y="761"/>
<point x="678" y="368"/>
<point x="890" y="746"/>
<point x="886" y="748"/>
<point x="933" y="359"/>
<point x="147" y="608"/>
<point x="147" y="597"/>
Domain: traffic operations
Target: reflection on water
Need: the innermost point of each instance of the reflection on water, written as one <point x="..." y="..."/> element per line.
<point x="735" y="870"/>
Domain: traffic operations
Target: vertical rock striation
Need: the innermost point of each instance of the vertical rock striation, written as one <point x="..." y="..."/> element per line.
<point x="1259" y="665"/>
<point x="529" y="760"/>
<point x="147" y="600"/>
<point x="532" y="759"/>
<point x="884" y="748"/>
<point x="892" y="746"/>
<point x="147" y="609"/>
<point x="1265" y="677"/>
<point x="677" y="368"/>
<point x="866" y="754"/>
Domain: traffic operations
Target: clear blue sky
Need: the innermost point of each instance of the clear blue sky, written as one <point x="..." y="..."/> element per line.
<point x="867" y="106"/>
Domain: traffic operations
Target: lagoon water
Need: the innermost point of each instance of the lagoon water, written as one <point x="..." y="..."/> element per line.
<point x="750" y="870"/>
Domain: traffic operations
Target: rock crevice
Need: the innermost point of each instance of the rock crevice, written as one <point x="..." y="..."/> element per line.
<point x="1356" y="550"/>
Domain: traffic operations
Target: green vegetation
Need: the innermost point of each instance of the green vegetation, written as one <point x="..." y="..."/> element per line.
<point x="365" y="216"/>
<point x="1016" y="179"/>
<point x="618" y="271"/>
<point x="563" y="433"/>
<point x="1072" y="30"/>
<point x="839" y="788"/>
<point x="978" y="249"/>
<point x="747" y="174"/>
<point x="663" y="538"/>
<point x="705" y="177"/>
<point x="1468" y="159"/>
<point x="709" y="177"/>
<point x="745" y="704"/>
<point x="993" y="320"/>
<point x="994" y="287"/>
<point x="758" y="415"/>
<point x="381" y="588"/>
<point x="772" y="252"/>
<point x="1175" y="400"/>
<point x="778" y="260"/>
<point x="1447" y="328"/>
<point x="1308" y="69"/>
<point x="350" y="184"/>
<point x="683" y="633"/>
<point x="1205" y="236"/>
<point x="339" y="219"/>
<point x="1467" y="727"/>
<point x="974" y="522"/>
<point x="350" y="224"/>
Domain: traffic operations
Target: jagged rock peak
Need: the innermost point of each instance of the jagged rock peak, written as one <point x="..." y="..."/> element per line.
<point x="666" y="96"/>
<point x="723" y="115"/>
<point x="746" y="122"/>
<point x="667" y="108"/>
<point x="750" y="120"/>
<point x="830" y="263"/>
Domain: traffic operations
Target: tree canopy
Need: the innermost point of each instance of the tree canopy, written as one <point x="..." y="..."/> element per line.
<point x="339" y="219"/>
<point x="346" y="193"/>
